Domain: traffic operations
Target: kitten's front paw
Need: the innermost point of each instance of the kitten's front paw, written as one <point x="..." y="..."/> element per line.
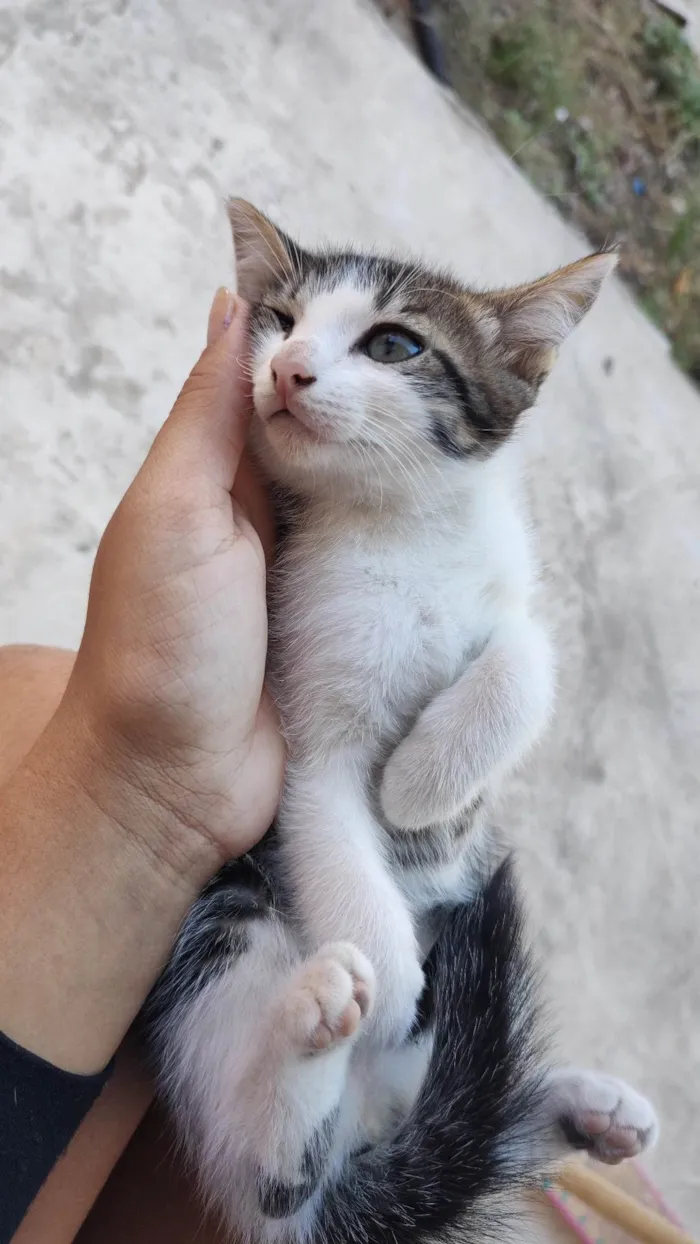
<point x="607" y="1117"/>
<point x="328" y="998"/>
<point x="404" y="793"/>
<point x="416" y="791"/>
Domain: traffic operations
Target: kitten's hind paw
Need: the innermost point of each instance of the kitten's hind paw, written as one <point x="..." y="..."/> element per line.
<point x="328" y="998"/>
<point x="605" y="1116"/>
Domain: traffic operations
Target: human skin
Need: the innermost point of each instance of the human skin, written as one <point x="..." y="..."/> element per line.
<point x="162" y="758"/>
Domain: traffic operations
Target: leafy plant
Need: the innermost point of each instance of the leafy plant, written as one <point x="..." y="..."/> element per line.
<point x="674" y="68"/>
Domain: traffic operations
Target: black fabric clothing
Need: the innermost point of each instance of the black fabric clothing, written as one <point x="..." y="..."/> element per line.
<point x="41" y="1107"/>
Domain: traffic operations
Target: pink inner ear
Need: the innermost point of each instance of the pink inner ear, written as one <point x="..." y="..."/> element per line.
<point x="261" y="254"/>
<point x="543" y="320"/>
<point x="543" y="314"/>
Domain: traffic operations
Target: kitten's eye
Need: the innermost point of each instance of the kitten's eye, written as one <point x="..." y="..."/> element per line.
<point x="286" y="322"/>
<point x="391" y="345"/>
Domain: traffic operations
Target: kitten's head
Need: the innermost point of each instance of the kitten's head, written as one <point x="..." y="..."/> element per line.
<point x="380" y="377"/>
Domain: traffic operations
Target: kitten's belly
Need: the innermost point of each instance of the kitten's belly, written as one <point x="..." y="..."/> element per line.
<point x="359" y="665"/>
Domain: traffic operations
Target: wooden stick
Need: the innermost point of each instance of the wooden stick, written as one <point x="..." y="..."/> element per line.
<point x="618" y="1207"/>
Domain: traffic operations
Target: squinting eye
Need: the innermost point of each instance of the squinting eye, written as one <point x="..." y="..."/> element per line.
<point x="286" y="322"/>
<point x="391" y="345"/>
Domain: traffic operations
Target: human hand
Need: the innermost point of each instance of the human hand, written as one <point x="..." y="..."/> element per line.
<point x="168" y="682"/>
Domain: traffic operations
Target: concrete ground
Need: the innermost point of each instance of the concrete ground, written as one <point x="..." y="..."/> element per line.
<point x="122" y="124"/>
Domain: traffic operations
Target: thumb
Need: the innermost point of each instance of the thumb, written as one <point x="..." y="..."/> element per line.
<point x="204" y="435"/>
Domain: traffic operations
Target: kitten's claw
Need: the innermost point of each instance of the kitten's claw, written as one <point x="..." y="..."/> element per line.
<point x="329" y="997"/>
<point x="607" y="1117"/>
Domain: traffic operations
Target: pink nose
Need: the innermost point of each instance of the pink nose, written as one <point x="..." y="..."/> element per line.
<point x="290" y="372"/>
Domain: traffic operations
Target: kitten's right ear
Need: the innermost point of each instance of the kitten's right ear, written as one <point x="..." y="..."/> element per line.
<point x="263" y="252"/>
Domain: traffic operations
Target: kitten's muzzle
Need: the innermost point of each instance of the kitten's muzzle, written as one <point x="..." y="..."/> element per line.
<point x="290" y="372"/>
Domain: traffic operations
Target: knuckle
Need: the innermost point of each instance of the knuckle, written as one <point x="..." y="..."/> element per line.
<point x="203" y="384"/>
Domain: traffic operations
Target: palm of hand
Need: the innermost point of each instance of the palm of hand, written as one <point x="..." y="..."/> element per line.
<point x="172" y="663"/>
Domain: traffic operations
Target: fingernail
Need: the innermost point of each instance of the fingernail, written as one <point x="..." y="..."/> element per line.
<point x="221" y="315"/>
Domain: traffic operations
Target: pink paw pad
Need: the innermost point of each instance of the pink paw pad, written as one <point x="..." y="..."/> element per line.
<point x="329" y="997"/>
<point x="616" y="1122"/>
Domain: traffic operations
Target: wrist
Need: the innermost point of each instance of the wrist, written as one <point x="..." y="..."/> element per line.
<point x="136" y="800"/>
<point x="93" y="889"/>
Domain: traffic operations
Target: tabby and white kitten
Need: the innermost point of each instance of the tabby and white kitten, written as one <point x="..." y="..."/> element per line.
<point x="345" y="1030"/>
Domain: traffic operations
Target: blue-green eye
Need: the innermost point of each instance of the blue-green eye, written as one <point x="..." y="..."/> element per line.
<point x="391" y="345"/>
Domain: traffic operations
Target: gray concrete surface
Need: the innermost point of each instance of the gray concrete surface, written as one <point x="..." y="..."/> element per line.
<point x="121" y="127"/>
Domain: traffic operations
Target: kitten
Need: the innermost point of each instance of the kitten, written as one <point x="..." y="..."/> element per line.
<point x="346" y="1028"/>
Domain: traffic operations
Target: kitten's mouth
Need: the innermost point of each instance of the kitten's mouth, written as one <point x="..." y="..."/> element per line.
<point x="299" y="425"/>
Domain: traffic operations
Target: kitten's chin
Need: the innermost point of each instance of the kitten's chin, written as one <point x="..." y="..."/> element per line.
<point x="294" y="444"/>
<point x="295" y="428"/>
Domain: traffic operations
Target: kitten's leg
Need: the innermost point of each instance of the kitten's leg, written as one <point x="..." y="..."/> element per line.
<point x="599" y="1113"/>
<point x="331" y="850"/>
<point x="383" y="1086"/>
<point x="311" y="1031"/>
<point x="473" y="731"/>
<point x="253" y="1047"/>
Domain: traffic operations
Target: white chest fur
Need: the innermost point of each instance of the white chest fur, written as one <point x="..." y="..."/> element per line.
<point x="376" y="613"/>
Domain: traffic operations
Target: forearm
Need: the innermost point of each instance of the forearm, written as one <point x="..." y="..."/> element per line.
<point x="88" y="911"/>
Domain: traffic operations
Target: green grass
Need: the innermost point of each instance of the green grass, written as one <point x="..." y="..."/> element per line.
<point x="531" y="57"/>
<point x="674" y="68"/>
<point x="600" y="105"/>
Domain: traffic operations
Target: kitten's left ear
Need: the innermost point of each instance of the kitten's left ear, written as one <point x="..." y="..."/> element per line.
<point x="264" y="255"/>
<point x="533" y="320"/>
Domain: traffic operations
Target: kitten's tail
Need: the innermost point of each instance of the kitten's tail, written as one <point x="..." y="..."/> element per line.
<point x="473" y="1133"/>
